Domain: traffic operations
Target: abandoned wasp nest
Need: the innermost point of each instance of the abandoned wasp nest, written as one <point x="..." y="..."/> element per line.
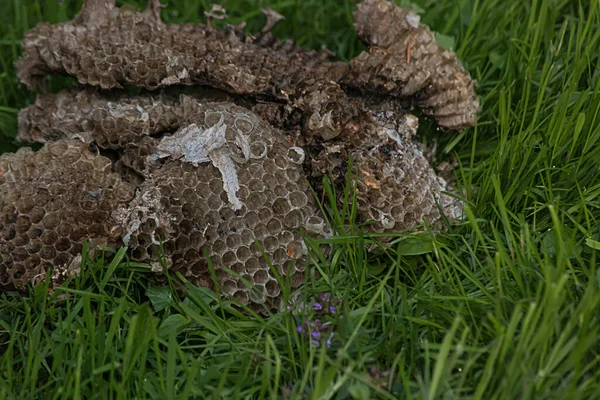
<point x="219" y="164"/>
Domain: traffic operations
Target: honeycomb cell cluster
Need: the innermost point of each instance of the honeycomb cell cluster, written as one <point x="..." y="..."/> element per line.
<point x="232" y="185"/>
<point x="46" y="214"/>
<point x="395" y="186"/>
<point x="113" y="120"/>
<point x="218" y="166"/>
<point x="108" y="47"/>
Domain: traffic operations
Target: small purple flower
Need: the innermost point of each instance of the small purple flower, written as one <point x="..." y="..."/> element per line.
<point x="332" y="310"/>
<point x="315" y="334"/>
<point x="317" y="306"/>
<point x="315" y="343"/>
<point x="299" y="329"/>
<point x="329" y="341"/>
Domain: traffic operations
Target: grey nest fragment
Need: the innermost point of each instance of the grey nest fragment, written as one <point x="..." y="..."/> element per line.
<point x="224" y="170"/>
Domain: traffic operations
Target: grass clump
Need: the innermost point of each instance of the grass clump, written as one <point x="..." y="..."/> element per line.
<point x="503" y="305"/>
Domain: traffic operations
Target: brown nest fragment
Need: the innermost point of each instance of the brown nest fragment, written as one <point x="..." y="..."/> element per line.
<point x="224" y="170"/>
<point x="405" y="61"/>
<point x="51" y="202"/>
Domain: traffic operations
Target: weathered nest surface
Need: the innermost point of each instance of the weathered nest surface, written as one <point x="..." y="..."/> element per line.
<point x="47" y="214"/>
<point x="230" y="185"/>
<point x="110" y="48"/>
<point x="223" y="171"/>
<point x="405" y="61"/>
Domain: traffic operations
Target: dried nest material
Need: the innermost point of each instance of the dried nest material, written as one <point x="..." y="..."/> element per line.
<point x="112" y="119"/>
<point x="231" y="186"/>
<point x="225" y="184"/>
<point x="51" y="202"/>
<point x="396" y="188"/>
<point x="405" y="61"/>
<point x="212" y="173"/>
<point x="122" y="49"/>
<point x="393" y="177"/>
<point x="116" y="49"/>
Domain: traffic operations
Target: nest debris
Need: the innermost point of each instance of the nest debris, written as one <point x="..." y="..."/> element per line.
<point x="223" y="170"/>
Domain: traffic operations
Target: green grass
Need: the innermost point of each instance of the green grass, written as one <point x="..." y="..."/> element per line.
<point x="503" y="306"/>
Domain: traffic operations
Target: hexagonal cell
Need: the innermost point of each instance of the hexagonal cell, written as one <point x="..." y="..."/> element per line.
<point x="37" y="214"/>
<point x="285" y="237"/>
<point x="255" y="201"/>
<point x="258" y="149"/>
<point x="229" y="287"/>
<point x="139" y="253"/>
<point x="62" y="259"/>
<point x="279" y="256"/>
<point x="17" y="271"/>
<point x="296" y="155"/>
<point x="35" y="246"/>
<point x="47" y="253"/>
<point x="255" y="171"/>
<point x="64" y="229"/>
<point x="260" y="231"/>
<point x="293" y="219"/>
<point x="271" y="244"/>
<point x="197" y="239"/>
<point x="191" y="255"/>
<point x="315" y="225"/>
<point x="216" y="186"/>
<point x="33" y="262"/>
<point x="281" y="206"/>
<point x="251" y="219"/>
<point x="227" y="213"/>
<point x="252" y="265"/>
<point x="297" y="278"/>
<point x="260" y="277"/>
<point x="269" y="167"/>
<point x="214" y="202"/>
<point x="273" y="288"/>
<point x="265" y="214"/>
<point x="219" y="246"/>
<point x="190" y="180"/>
<point x="292" y="175"/>
<point x="274" y="226"/>
<point x="182" y="243"/>
<point x="257" y="294"/>
<point x="238" y="268"/>
<point x="280" y="191"/>
<point x="233" y="241"/>
<point x="295" y="250"/>
<point x="242" y="297"/>
<point x="242" y="192"/>
<point x="281" y="162"/>
<point x="25" y="204"/>
<point x="49" y="238"/>
<point x="222" y="274"/>
<point x="256" y="185"/>
<point x="229" y="258"/>
<point x="298" y="199"/>
<point x="21" y="240"/>
<point x="247" y="237"/>
<point x="63" y="244"/>
<point x="23" y="223"/>
<point x="244" y="124"/>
